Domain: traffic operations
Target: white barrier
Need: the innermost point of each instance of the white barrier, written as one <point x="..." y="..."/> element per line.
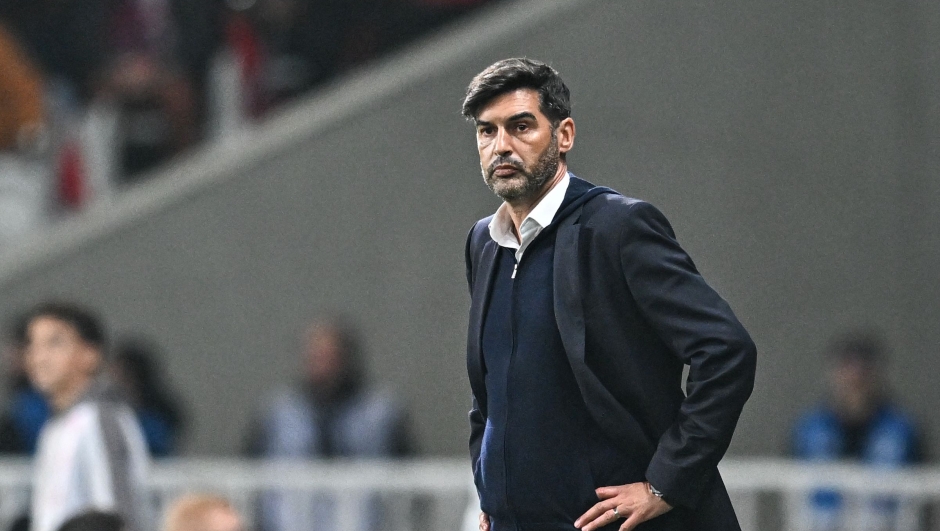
<point x="440" y="488"/>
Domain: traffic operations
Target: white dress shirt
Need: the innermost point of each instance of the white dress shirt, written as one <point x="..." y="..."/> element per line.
<point x="501" y="227"/>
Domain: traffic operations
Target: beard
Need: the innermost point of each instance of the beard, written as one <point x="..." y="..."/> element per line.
<point x="527" y="182"/>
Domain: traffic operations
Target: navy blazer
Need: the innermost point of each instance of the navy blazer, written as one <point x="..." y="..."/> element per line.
<point x="632" y="310"/>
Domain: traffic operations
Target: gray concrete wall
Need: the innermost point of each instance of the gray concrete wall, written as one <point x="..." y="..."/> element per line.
<point x="793" y="146"/>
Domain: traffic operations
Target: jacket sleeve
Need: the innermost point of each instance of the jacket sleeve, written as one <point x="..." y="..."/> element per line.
<point x="700" y="328"/>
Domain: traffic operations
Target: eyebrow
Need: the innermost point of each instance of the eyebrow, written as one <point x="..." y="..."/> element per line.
<point x="513" y="118"/>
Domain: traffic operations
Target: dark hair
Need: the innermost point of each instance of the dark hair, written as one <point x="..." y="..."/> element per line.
<point x="519" y="73"/>
<point x="141" y="358"/>
<point x="351" y="376"/>
<point x="84" y="321"/>
<point x="93" y="521"/>
<point x="343" y="328"/>
<point x="862" y="346"/>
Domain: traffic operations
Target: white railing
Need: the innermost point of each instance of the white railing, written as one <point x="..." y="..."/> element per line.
<point x="434" y="493"/>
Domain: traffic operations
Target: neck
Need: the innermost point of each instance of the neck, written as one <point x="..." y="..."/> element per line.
<point x="519" y="209"/>
<point x="67" y="397"/>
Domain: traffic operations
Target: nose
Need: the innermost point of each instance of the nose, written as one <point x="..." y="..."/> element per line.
<point x="502" y="145"/>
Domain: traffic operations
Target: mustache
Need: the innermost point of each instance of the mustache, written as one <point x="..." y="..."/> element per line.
<point x="505" y="161"/>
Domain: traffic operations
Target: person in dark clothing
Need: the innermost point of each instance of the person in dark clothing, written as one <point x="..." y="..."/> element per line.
<point x="137" y="371"/>
<point x="159" y="53"/>
<point x="584" y="309"/>
<point x="302" y="44"/>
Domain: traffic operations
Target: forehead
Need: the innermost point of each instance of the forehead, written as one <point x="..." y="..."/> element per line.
<point x="48" y="325"/>
<point x="511" y="104"/>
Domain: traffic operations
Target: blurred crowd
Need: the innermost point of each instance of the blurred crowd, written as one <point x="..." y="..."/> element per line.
<point x="93" y="413"/>
<point x="95" y="92"/>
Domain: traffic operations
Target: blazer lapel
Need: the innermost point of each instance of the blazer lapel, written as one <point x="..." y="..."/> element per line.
<point x="567" y="293"/>
<point x="484" y="273"/>
<point x="613" y="418"/>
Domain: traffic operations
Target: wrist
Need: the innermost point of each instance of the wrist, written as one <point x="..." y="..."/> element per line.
<point x="656" y="493"/>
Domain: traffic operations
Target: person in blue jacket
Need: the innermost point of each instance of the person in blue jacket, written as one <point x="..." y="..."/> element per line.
<point x="25" y="409"/>
<point x="857" y="421"/>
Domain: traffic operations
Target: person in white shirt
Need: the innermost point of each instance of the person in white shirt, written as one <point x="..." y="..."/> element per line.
<point x="91" y="454"/>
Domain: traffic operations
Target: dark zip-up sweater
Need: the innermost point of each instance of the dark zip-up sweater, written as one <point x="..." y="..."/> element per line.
<point x="540" y="442"/>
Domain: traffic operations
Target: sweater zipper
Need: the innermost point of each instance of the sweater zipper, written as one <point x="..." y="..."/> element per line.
<point x="512" y="359"/>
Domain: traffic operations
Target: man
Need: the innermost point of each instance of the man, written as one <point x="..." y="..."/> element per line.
<point x="91" y="453"/>
<point x="859" y="422"/>
<point x="584" y="309"/>
<point x="201" y="512"/>
<point x="332" y="412"/>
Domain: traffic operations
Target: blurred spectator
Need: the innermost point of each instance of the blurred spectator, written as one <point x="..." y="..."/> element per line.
<point x="22" y="138"/>
<point x="67" y="40"/>
<point x="201" y="512"/>
<point x="94" y="521"/>
<point x="286" y="47"/>
<point x="858" y="421"/>
<point x="159" y="52"/>
<point x="137" y="372"/>
<point x="331" y="413"/>
<point x="25" y="408"/>
<point x="21" y="114"/>
<point x="91" y="453"/>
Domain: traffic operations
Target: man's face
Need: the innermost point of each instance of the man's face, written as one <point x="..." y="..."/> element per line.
<point x="853" y="379"/>
<point x="57" y="359"/>
<point x="518" y="146"/>
<point x="325" y="361"/>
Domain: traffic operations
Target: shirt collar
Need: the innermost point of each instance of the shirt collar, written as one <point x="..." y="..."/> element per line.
<point x="501" y="228"/>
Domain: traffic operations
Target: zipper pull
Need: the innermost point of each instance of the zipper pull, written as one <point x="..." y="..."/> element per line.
<point x="514" y="268"/>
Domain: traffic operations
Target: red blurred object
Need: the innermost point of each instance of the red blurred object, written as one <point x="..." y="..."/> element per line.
<point x="243" y="40"/>
<point x="71" y="176"/>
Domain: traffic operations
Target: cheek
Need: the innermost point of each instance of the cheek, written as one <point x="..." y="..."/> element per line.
<point x="57" y="362"/>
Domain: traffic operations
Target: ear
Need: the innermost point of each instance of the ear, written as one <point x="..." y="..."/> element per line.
<point x="566" y="133"/>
